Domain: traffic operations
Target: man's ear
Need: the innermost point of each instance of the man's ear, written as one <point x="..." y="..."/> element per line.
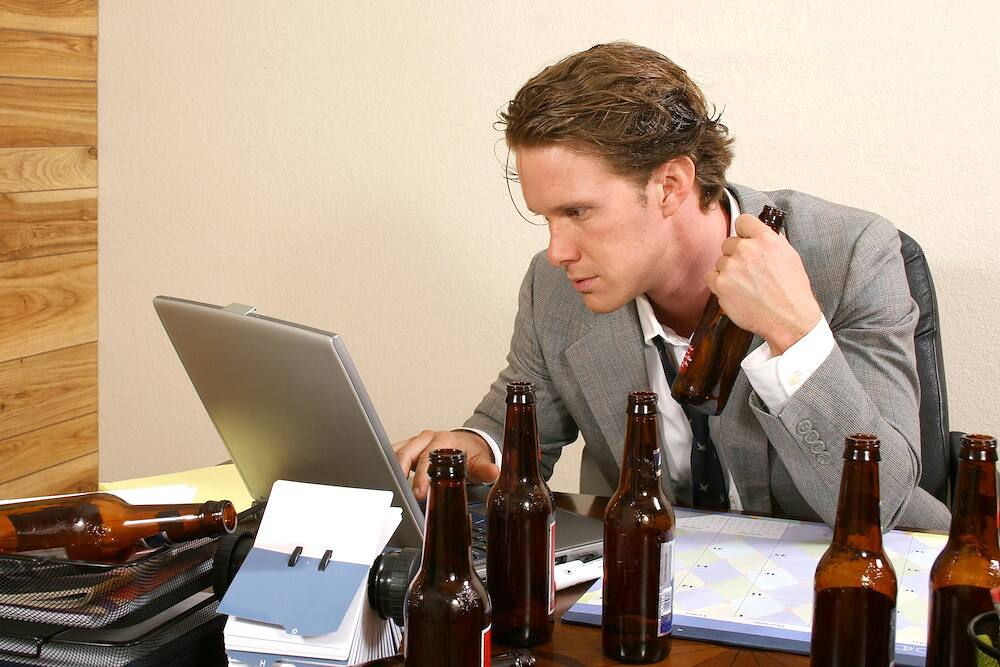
<point x="672" y="183"/>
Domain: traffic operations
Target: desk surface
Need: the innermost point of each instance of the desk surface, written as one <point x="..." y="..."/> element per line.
<point x="571" y="645"/>
<point x="577" y="645"/>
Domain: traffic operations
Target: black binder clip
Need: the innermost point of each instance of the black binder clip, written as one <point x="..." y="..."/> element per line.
<point x="294" y="558"/>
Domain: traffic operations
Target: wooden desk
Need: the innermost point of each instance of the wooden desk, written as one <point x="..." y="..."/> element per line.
<point x="577" y="645"/>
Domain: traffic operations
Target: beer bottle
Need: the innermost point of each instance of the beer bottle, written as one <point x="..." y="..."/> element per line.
<point x="447" y="610"/>
<point x="717" y="347"/>
<point x="854" y="603"/>
<point x="521" y="527"/>
<point x="104" y="528"/>
<point x="969" y="565"/>
<point x="513" y="658"/>
<point x="638" y="547"/>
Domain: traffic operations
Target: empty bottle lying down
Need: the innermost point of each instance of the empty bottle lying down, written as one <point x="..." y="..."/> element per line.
<point x="101" y="527"/>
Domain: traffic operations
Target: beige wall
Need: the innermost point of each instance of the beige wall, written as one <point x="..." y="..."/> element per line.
<point x="333" y="163"/>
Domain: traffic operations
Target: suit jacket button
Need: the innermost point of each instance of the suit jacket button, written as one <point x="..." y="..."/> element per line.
<point x="804" y="426"/>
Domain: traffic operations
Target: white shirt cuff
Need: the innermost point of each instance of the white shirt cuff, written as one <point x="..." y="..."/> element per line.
<point x="775" y="379"/>
<point x="497" y="455"/>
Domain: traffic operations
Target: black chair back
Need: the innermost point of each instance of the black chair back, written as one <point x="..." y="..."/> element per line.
<point x="934" y="438"/>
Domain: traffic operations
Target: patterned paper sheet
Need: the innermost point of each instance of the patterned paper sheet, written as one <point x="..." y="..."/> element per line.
<point x="749" y="581"/>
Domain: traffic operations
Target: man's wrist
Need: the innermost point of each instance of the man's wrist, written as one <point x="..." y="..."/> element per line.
<point x="490" y="442"/>
<point x="780" y="340"/>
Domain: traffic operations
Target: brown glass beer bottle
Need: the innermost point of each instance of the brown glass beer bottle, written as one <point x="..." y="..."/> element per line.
<point x="969" y="565"/>
<point x="637" y="598"/>
<point x="717" y="347"/>
<point x="102" y="527"/>
<point x="521" y="527"/>
<point x="854" y="603"/>
<point x="447" y="611"/>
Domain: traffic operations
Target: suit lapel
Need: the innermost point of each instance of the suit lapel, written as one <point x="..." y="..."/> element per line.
<point x="608" y="363"/>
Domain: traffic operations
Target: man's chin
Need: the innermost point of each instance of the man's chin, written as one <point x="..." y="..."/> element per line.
<point x="601" y="304"/>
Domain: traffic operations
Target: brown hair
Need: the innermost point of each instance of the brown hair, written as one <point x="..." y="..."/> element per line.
<point x="630" y="106"/>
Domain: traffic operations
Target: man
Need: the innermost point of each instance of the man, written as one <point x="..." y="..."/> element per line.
<point x="616" y="149"/>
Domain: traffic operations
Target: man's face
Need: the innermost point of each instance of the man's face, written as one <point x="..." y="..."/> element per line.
<point x="612" y="247"/>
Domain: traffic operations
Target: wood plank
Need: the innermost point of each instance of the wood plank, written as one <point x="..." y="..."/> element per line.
<point x="47" y="388"/>
<point x="38" y="224"/>
<point x="72" y="17"/>
<point x="32" y="169"/>
<point x="48" y="446"/>
<point x="47" y="303"/>
<point x="39" y="112"/>
<point x="74" y="476"/>
<point x="46" y="55"/>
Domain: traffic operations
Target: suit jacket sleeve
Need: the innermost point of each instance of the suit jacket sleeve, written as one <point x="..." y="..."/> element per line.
<point x="868" y="384"/>
<point x="526" y="362"/>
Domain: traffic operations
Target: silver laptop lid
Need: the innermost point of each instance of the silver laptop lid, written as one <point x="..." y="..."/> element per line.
<point x="287" y="402"/>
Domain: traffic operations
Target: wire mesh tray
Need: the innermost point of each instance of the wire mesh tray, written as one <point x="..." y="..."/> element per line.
<point x="91" y="595"/>
<point x="185" y="634"/>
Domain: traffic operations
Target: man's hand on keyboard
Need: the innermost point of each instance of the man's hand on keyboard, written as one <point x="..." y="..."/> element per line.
<point x="414" y="454"/>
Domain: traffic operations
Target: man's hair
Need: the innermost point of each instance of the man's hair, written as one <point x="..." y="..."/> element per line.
<point x="630" y="106"/>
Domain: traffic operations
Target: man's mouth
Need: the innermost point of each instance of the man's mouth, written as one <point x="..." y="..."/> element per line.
<point x="583" y="284"/>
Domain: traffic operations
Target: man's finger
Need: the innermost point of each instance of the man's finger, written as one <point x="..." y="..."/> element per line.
<point x="421" y="480"/>
<point x="730" y="245"/>
<point x="409" y="450"/>
<point x="747" y="226"/>
<point x="482" y="469"/>
<point x="710" y="279"/>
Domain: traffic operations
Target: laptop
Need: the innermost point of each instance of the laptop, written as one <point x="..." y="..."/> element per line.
<point x="289" y="403"/>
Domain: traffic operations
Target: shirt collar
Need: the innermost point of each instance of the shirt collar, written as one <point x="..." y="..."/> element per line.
<point x="651" y="327"/>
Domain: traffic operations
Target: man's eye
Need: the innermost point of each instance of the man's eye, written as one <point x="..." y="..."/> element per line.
<point x="576" y="212"/>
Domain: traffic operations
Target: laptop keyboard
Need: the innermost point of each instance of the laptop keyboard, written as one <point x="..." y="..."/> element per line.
<point x="478" y="534"/>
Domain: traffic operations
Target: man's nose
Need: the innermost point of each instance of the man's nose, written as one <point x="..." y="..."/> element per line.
<point x="561" y="249"/>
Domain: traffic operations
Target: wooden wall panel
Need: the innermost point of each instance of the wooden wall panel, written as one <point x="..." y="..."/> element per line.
<point x="47" y="55"/>
<point x="47" y="112"/>
<point x="47" y="389"/>
<point x="72" y="17"/>
<point x="47" y="303"/>
<point x="54" y="444"/>
<point x="37" y="224"/>
<point x="76" y="476"/>
<point x="48" y="247"/>
<point x="58" y="168"/>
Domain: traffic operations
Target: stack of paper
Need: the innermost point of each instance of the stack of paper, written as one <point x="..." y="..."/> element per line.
<point x="315" y="611"/>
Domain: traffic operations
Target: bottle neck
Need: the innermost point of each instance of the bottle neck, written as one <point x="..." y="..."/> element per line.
<point x="520" y="445"/>
<point x="183" y="522"/>
<point x="447" y="533"/>
<point x="858" y="523"/>
<point x="641" y="461"/>
<point x="974" y="513"/>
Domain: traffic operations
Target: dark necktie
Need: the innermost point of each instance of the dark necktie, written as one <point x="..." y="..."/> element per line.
<point x="708" y="480"/>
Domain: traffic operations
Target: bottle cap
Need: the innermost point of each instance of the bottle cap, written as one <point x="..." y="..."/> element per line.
<point x="978" y="447"/>
<point x="861" y="447"/>
<point x="447" y="464"/>
<point x="521" y="393"/>
<point x="642" y="403"/>
<point x="773" y="218"/>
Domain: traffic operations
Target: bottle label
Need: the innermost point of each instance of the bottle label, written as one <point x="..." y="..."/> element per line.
<point x="666" y="587"/>
<point x="484" y="646"/>
<point x="552" y="565"/>
<point x="686" y="361"/>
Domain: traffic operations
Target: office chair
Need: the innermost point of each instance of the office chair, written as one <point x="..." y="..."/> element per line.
<point x="938" y="447"/>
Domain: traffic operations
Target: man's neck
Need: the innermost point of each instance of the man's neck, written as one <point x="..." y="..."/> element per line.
<point x="680" y="306"/>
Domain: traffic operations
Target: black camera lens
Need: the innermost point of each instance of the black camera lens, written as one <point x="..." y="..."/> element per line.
<point x="388" y="580"/>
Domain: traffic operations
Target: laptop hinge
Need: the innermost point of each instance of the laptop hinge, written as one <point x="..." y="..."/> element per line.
<point x="240" y="308"/>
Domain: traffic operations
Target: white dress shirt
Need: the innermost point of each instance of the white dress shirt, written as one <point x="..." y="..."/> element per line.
<point x="774" y="378"/>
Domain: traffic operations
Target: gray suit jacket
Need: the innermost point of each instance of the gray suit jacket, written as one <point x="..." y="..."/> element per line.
<point x="584" y="365"/>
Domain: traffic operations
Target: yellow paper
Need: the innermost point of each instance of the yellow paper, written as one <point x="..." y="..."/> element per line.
<point x="221" y="482"/>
